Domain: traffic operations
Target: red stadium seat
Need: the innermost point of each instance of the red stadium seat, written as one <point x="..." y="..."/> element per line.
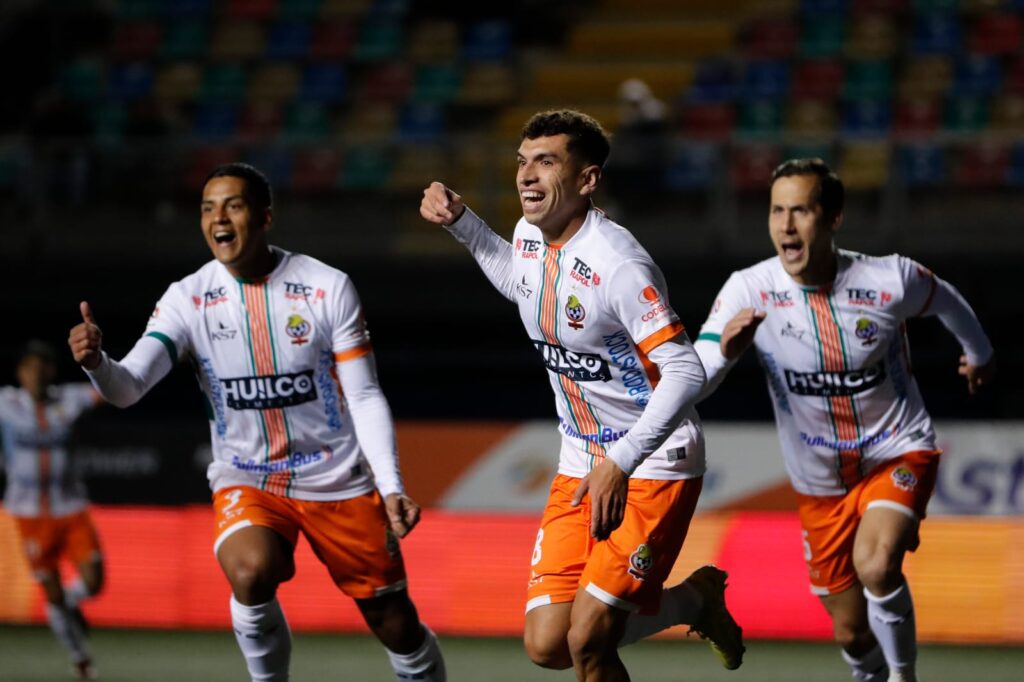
<point x="709" y="121"/>
<point x="818" y="78"/>
<point x="916" y="116"/>
<point x="770" y="37"/>
<point x="752" y="166"/>
<point x="1014" y="80"/>
<point x="201" y="161"/>
<point x="251" y="9"/>
<point x="983" y="166"/>
<point x="332" y="40"/>
<point x="388" y="83"/>
<point x="136" y="40"/>
<point x="261" y="121"/>
<point x="315" y="170"/>
<point x="997" y="33"/>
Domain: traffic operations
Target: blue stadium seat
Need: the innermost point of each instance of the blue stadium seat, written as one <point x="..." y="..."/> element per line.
<point x="421" y="122"/>
<point x="765" y="80"/>
<point x="215" y="122"/>
<point x="693" y="166"/>
<point x="108" y="121"/>
<point x="488" y="41"/>
<point x="936" y="33"/>
<point x="1015" y="171"/>
<point x="866" y="117"/>
<point x="977" y="75"/>
<point x="83" y="79"/>
<point x="388" y="9"/>
<point x="923" y="165"/>
<point x="289" y="40"/>
<point x="714" y="81"/>
<point x="325" y="83"/>
<point x="868" y="79"/>
<point x="130" y="81"/>
<point x="275" y="162"/>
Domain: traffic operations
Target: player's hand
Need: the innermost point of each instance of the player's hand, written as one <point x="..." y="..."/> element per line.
<point x="977" y="375"/>
<point x="608" y="486"/>
<point x="739" y="332"/>
<point x="86" y="339"/>
<point x="403" y="513"/>
<point x="440" y="205"/>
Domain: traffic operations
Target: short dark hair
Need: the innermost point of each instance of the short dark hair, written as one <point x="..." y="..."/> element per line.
<point x="587" y="138"/>
<point x="36" y="348"/>
<point x="831" y="193"/>
<point x="257" y="187"/>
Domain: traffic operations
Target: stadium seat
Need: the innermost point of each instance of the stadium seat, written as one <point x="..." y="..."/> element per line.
<point x="488" y="85"/>
<point x="130" y="81"/>
<point x="709" y="121"/>
<point x="982" y="166"/>
<point x="923" y="165"/>
<point x="916" y="116"/>
<point x="487" y="41"/>
<point x="866" y="118"/>
<point x="421" y="122"/>
<point x="966" y="114"/>
<point x="261" y="122"/>
<point x="434" y="42"/>
<point x="178" y="9"/>
<point x="998" y="33"/>
<point x="752" y="167"/>
<point x="868" y="79"/>
<point x="83" y="79"/>
<point x="335" y="9"/>
<point x="388" y="9"/>
<point x="324" y="83"/>
<point x="238" y="40"/>
<point x="140" y="9"/>
<point x="810" y="149"/>
<point x="315" y="170"/>
<point x="178" y="82"/>
<point x="136" y="40"/>
<point x="770" y="38"/>
<point x="275" y="162"/>
<point x="693" y="166"/>
<point x="765" y="80"/>
<point x="812" y="7"/>
<point x="332" y="40"/>
<point x="202" y="160"/>
<point x="379" y="41"/>
<point x="108" y="121"/>
<point x="416" y="162"/>
<point x="366" y="168"/>
<point x="307" y="123"/>
<point x="299" y="9"/>
<point x="714" y="80"/>
<point x="389" y="83"/>
<point x="1008" y="114"/>
<point x="184" y="40"/>
<point x="215" y="122"/>
<point x="872" y="36"/>
<point x="926" y="77"/>
<point x="370" y="121"/>
<point x="760" y="118"/>
<point x="883" y="6"/>
<point x="977" y="75"/>
<point x="1013" y="82"/>
<point x="223" y="83"/>
<point x="865" y="165"/>
<point x="821" y="35"/>
<point x="811" y="117"/>
<point x="276" y="82"/>
<point x="819" y="78"/>
<point x="936" y="33"/>
<point x="250" y="9"/>
<point x="289" y="40"/>
<point x="436" y="83"/>
<point x="1015" y="170"/>
<point x="651" y="39"/>
<point x="924" y="6"/>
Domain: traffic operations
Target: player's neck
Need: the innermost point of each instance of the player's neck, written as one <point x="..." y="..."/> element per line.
<point x="560" y="235"/>
<point x="821" y="273"/>
<point x="259" y="266"/>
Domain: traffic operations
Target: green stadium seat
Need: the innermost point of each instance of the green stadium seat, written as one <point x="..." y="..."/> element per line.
<point x="966" y="114"/>
<point x="437" y="83"/>
<point x="821" y="36"/>
<point x="299" y="9"/>
<point x="185" y="40"/>
<point x="140" y="9"/>
<point x="366" y="168"/>
<point x="379" y="41"/>
<point x="224" y="83"/>
<point x="760" y="118"/>
<point x="307" y="122"/>
<point x="868" y="79"/>
<point x="108" y="121"/>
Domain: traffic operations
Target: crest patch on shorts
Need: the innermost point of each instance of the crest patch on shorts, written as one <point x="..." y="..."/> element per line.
<point x="903" y="478"/>
<point x="640" y="562"/>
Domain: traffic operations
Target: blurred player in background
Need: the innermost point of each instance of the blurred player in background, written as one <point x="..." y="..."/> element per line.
<point x="302" y="435"/>
<point x="625" y="378"/>
<point x="829" y="329"/>
<point x="46" y="496"/>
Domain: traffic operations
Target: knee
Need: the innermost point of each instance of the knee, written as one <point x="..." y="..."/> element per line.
<point x="587" y="644"/>
<point x="547" y="653"/>
<point x="395" y="622"/>
<point x="852" y="635"/>
<point x="879" y="570"/>
<point x="252" y="581"/>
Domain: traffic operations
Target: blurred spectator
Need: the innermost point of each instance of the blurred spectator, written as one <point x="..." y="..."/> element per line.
<point x="640" y="154"/>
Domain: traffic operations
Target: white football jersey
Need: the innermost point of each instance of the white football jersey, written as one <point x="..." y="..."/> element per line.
<point x="837" y="363"/>
<point x="593" y="308"/>
<point x="41" y="479"/>
<point x="265" y="354"/>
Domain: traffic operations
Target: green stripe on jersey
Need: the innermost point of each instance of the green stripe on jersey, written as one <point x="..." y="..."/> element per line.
<point x="168" y="344"/>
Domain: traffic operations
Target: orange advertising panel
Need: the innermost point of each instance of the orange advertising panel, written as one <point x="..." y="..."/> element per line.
<point x="468" y="575"/>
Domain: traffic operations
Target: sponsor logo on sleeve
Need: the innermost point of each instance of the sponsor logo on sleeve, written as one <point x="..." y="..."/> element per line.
<point x="835" y="383"/>
<point x="269" y="391"/>
<point x="634" y="378"/>
<point x="575" y="312"/>
<point x="652" y="297"/>
<point x="576" y="366"/>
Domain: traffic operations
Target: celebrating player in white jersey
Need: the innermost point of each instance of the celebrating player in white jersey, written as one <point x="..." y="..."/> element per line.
<point x="46" y="496"/>
<point x="625" y="378"/>
<point x="302" y="434"/>
<point x="829" y="329"/>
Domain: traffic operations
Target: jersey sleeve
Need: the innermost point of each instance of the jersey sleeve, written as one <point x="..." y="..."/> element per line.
<point x="350" y="337"/>
<point x="638" y="295"/>
<point x="81" y="397"/>
<point x="732" y="298"/>
<point x="167" y="323"/>
<point x="919" y="287"/>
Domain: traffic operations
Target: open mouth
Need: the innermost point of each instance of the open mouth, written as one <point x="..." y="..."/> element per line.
<point x="223" y="237"/>
<point x="531" y="198"/>
<point x="792" y="250"/>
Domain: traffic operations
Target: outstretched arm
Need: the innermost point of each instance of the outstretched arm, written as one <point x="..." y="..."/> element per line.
<point x="119" y="383"/>
<point x="493" y="254"/>
<point x="977" y="364"/>
<point x="719" y="352"/>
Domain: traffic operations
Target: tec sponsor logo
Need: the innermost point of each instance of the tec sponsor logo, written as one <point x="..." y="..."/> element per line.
<point x="835" y="383"/>
<point x="296" y="291"/>
<point x="576" y="366"/>
<point x="269" y="391"/>
<point x="652" y="297"/>
<point x="575" y="313"/>
<point x="868" y="297"/>
<point x="210" y="298"/>
<point x="584" y="274"/>
<point x="528" y="248"/>
<point x="778" y="299"/>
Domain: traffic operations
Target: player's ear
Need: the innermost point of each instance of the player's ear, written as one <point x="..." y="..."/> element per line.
<point x="589" y="177"/>
<point x="837" y="222"/>
<point x="268" y="219"/>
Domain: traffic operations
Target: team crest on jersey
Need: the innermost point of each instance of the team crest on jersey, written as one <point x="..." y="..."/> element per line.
<point x="640" y="562"/>
<point x="867" y="331"/>
<point x="298" y="329"/>
<point x="904" y="479"/>
<point x="575" y="311"/>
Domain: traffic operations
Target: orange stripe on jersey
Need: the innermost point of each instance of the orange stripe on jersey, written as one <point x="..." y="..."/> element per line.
<point x="651" y="369"/>
<point x="263" y="356"/>
<point x="843" y="410"/>
<point x="353" y="353"/>
<point x="44" y="463"/>
<point x="661" y="336"/>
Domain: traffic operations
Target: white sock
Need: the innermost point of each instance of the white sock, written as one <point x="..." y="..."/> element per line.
<point x="75" y="593"/>
<point x="892" y="620"/>
<point x="679" y="604"/>
<point x="68" y="632"/>
<point x="264" y="638"/>
<point x="424" y="665"/>
<point x="870" y="667"/>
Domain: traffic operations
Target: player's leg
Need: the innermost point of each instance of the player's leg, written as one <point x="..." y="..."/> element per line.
<point x="848" y="612"/>
<point x="594" y="633"/>
<point x="354" y="541"/>
<point x="545" y="635"/>
<point x="254" y="546"/>
<point x="82" y="548"/>
<point x="411" y="646"/>
<point x="893" y="502"/>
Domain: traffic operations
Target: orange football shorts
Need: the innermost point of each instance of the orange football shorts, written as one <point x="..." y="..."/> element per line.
<point x="49" y="539"/>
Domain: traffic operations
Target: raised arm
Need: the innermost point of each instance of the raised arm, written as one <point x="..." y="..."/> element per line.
<point x="727" y="333"/>
<point x="493" y="254"/>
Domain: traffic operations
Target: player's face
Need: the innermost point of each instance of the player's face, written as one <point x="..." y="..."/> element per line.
<point x="234" y="231"/>
<point x="554" y="188"/>
<point x="800" y="231"/>
<point x="35" y="374"/>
